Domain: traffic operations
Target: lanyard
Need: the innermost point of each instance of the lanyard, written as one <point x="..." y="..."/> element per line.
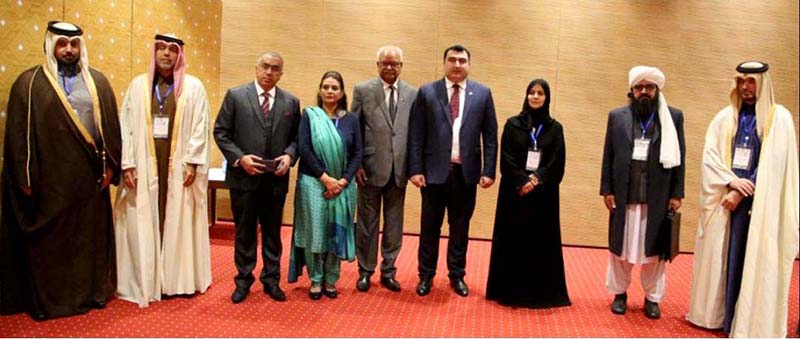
<point x="336" y="123"/>
<point x="161" y="99"/>
<point x="646" y="126"/>
<point x="68" y="82"/>
<point x="535" y="137"/>
<point x="743" y="125"/>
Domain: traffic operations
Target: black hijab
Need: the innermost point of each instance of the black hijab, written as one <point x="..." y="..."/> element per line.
<point x="541" y="115"/>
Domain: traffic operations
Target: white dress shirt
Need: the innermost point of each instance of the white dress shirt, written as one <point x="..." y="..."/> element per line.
<point x="455" y="157"/>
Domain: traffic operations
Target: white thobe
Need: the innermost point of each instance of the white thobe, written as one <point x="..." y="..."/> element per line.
<point x="182" y="264"/>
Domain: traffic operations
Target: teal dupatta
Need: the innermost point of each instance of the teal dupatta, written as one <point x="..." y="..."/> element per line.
<point x="323" y="225"/>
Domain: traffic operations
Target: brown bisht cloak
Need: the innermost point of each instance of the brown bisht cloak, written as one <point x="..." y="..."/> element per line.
<point x="56" y="245"/>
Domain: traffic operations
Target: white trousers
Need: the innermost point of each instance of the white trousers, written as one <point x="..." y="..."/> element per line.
<point x="653" y="275"/>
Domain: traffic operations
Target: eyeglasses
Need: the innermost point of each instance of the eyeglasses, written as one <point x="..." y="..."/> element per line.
<point x="644" y="88"/>
<point x="387" y="64"/>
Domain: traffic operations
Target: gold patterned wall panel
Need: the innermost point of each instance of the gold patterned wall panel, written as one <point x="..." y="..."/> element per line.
<point x="583" y="48"/>
<point x="22" y="28"/>
<point x="106" y="27"/>
<point x="197" y="23"/>
<point x="116" y="34"/>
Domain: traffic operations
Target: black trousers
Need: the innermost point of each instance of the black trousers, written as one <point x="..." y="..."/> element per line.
<point x="458" y="199"/>
<point x="251" y="208"/>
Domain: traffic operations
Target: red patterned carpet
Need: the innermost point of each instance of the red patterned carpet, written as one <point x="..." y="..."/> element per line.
<point x="381" y="313"/>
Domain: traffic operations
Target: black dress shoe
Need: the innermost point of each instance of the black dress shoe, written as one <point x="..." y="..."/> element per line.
<point x="239" y="295"/>
<point x="275" y="292"/>
<point x="330" y="293"/>
<point x="620" y="304"/>
<point x="424" y="287"/>
<point x="314" y="295"/>
<point x="651" y="309"/>
<point x="363" y="283"/>
<point x="459" y="286"/>
<point x="38" y="316"/>
<point x="99" y="304"/>
<point x="391" y="284"/>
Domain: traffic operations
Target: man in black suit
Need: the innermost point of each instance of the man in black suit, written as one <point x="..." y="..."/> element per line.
<point x="448" y="120"/>
<point x="256" y="130"/>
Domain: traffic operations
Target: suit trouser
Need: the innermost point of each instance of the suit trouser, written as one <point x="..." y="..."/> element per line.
<point x="249" y="209"/>
<point x="369" y="212"/>
<point x="458" y="198"/>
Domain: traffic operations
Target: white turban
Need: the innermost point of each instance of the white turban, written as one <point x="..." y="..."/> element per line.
<point x="670" y="148"/>
<point x="648" y="73"/>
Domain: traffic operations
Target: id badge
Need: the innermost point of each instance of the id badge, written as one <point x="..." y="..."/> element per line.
<point x="161" y="127"/>
<point x="741" y="158"/>
<point x="532" y="163"/>
<point x="640" y="149"/>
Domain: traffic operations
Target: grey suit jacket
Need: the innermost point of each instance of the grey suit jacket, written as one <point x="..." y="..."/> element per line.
<point x="384" y="140"/>
<point x="241" y="129"/>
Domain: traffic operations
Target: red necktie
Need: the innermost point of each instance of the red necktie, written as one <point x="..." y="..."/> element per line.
<point x="265" y="105"/>
<point x="454" y="103"/>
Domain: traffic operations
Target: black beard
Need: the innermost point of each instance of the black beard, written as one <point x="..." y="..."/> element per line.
<point x="644" y="106"/>
<point x="68" y="68"/>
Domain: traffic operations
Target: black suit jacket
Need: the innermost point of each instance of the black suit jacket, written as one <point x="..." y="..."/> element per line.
<point x="241" y="129"/>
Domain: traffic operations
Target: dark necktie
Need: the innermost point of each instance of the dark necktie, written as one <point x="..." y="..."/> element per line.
<point x="265" y="105"/>
<point x="454" y="102"/>
<point x="392" y="106"/>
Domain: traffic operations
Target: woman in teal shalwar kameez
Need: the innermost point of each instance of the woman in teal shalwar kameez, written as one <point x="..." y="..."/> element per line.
<point x="329" y="140"/>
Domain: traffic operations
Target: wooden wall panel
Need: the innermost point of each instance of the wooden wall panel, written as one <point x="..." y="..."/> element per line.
<point x="583" y="48"/>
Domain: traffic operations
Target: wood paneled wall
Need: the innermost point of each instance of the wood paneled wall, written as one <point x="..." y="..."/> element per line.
<point x="583" y="48"/>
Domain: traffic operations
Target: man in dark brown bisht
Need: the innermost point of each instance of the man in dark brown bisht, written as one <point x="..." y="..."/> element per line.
<point x="62" y="150"/>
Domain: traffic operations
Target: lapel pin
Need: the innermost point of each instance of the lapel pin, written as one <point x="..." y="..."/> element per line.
<point x="470" y="93"/>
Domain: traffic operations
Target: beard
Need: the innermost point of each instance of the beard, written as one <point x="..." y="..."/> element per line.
<point x="644" y="105"/>
<point x="67" y="66"/>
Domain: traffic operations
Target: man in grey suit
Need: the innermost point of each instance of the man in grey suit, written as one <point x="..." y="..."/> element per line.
<point x="449" y="119"/>
<point x="256" y="130"/>
<point x="382" y="105"/>
<point x="642" y="178"/>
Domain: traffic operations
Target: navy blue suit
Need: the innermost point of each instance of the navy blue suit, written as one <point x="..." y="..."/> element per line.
<point x="450" y="187"/>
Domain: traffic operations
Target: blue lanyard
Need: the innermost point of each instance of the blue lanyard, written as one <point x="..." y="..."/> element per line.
<point x="745" y="129"/>
<point x="646" y="126"/>
<point x="68" y="82"/>
<point x="535" y="137"/>
<point x="161" y="99"/>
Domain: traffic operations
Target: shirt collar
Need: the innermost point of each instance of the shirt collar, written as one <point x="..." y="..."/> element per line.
<point x="449" y="84"/>
<point x="260" y="91"/>
<point x="386" y="84"/>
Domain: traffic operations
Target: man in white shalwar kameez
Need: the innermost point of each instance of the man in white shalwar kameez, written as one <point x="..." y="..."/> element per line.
<point x="164" y="122"/>
<point x="747" y="238"/>
<point x="642" y="179"/>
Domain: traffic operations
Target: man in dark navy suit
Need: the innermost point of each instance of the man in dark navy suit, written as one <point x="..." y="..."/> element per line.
<point x="448" y="120"/>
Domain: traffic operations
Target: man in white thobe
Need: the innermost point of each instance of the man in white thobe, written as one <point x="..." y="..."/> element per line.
<point x="161" y="220"/>
<point x="747" y="238"/>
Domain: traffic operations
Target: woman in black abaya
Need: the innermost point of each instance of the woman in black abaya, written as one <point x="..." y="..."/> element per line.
<point x="527" y="266"/>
